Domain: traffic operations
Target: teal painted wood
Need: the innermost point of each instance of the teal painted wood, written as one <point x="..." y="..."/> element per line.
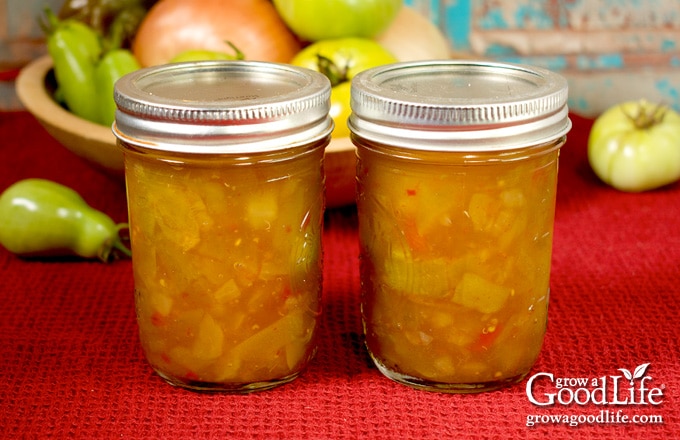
<point x="609" y="50"/>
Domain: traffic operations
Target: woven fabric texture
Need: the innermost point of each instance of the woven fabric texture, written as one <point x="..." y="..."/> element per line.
<point x="71" y="365"/>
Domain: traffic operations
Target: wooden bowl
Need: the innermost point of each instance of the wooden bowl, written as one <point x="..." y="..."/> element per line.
<point x="96" y="143"/>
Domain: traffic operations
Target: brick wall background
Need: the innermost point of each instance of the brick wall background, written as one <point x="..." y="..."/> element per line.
<point x="609" y="50"/>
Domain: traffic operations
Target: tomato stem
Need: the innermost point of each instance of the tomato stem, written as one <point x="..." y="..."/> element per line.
<point x="238" y="55"/>
<point x="646" y="115"/>
<point x="333" y="72"/>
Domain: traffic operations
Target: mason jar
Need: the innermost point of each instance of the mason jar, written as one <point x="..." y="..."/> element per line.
<point x="225" y="189"/>
<point x="456" y="181"/>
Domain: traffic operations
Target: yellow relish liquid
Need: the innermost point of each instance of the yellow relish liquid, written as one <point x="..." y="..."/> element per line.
<point x="227" y="264"/>
<point x="455" y="262"/>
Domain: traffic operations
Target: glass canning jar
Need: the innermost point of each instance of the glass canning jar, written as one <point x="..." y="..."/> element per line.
<point x="225" y="188"/>
<point x="456" y="181"/>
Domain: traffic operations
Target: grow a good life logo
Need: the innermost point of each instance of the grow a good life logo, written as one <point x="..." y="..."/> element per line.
<point x="630" y="389"/>
<point x="636" y="389"/>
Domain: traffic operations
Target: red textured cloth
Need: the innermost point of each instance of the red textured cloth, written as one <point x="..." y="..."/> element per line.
<point x="71" y="365"/>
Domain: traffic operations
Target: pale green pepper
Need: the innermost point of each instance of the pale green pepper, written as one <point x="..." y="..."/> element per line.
<point x="39" y="217"/>
<point x="114" y="64"/>
<point x="75" y="49"/>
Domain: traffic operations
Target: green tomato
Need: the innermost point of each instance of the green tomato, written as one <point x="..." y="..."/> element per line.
<point x="352" y="55"/>
<point x="321" y="20"/>
<point x="39" y="217"/>
<point x="340" y="60"/>
<point x="635" y="146"/>
<point x="207" y="55"/>
<point x="340" y="109"/>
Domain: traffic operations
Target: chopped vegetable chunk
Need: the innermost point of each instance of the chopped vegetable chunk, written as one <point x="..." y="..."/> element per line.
<point x="474" y="292"/>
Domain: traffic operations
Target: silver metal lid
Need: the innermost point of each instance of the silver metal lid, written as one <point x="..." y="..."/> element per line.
<point x="459" y="105"/>
<point x="222" y="107"/>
